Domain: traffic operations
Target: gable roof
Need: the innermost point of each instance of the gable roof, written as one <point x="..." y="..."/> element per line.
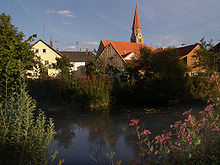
<point x="125" y="47"/>
<point x="216" y="48"/>
<point x="136" y="22"/>
<point x="182" y="51"/>
<point x="47" y="46"/>
<point x="78" y="56"/>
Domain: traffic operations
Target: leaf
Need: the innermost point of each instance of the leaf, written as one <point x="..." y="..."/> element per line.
<point x="190" y="155"/>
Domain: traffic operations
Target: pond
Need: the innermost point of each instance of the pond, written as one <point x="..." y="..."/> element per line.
<point x="84" y="138"/>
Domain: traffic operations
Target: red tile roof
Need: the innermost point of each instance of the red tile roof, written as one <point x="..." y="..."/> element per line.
<point x="136" y="22"/>
<point x="158" y="50"/>
<point x="126" y="47"/>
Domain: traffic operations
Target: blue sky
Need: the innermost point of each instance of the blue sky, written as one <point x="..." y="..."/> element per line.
<point x="164" y="22"/>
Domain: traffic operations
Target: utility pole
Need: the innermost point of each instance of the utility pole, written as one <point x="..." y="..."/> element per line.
<point x="43" y="32"/>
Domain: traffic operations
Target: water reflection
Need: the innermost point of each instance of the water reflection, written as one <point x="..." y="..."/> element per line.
<point x="85" y="138"/>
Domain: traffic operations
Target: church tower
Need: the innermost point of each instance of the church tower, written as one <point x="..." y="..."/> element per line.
<point x="136" y="35"/>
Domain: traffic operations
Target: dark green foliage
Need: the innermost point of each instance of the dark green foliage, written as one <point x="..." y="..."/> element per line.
<point x="208" y="59"/>
<point x="169" y="79"/>
<point x="64" y="65"/>
<point x="24" y="138"/>
<point x="50" y="92"/>
<point x="209" y="62"/>
<point x="15" y="54"/>
<point x="92" y="91"/>
<point x="157" y="78"/>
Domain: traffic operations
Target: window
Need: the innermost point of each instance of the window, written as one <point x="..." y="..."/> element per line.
<point x="36" y="50"/>
<point x="44" y="50"/>
<point x="46" y="62"/>
<point x="192" y="62"/>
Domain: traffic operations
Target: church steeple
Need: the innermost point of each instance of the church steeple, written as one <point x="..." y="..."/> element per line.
<point x="136" y="35"/>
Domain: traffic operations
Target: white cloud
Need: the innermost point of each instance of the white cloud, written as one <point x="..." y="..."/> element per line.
<point x="71" y="47"/>
<point x="70" y="15"/>
<point x="90" y="43"/>
<point x="50" y="11"/>
<point x="63" y="12"/>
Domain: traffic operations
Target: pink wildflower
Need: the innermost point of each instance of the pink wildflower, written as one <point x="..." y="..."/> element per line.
<point x="212" y="78"/>
<point x="145" y="133"/>
<point x="187" y="112"/>
<point x="134" y="122"/>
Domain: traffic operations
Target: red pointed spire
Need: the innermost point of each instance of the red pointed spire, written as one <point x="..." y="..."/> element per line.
<point x="136" y="22"/>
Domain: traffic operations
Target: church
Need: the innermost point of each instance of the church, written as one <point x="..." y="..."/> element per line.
<point x="118" y="53"/>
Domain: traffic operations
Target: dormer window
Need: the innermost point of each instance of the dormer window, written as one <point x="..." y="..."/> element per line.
<point x="44" y="50"/>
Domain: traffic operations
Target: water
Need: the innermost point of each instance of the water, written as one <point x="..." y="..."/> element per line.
<point x="84" y="138"/>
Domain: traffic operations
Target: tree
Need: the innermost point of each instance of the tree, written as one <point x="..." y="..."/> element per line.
<point x="64" y="65"/>
<point x="16" y="55"/>
<point x="158" y="77"/>
<point x="169" y="81"/>
<point x="208" y="59"/>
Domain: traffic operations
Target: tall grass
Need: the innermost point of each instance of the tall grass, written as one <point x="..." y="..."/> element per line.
<point x="92" y="90"/>
<point x="25" y="133"/>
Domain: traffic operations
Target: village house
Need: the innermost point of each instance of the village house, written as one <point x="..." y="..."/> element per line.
<point x="79" y="59"/>
<point x="47" y="56"/>
<point x="185" y="53"/>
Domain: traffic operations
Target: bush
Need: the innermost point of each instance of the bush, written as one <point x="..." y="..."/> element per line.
<point x="24" y="138"/>
<point x="192" y="141"/>
<point x="92" y="91"/>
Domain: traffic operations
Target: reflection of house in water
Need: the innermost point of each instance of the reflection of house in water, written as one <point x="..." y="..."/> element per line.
<point x="79" y="59"/>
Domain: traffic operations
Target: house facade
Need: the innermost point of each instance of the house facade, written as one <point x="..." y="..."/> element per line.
<point x="47" y="56"/>
<point x="79" y="59"/>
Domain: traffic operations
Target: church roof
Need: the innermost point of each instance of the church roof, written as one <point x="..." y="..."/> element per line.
<point x="126" y="47"/>
<point x="136" y="22"/>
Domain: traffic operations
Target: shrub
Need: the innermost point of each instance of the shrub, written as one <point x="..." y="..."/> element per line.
<point x="24" y="138"/>
<point x="92" y="90"/>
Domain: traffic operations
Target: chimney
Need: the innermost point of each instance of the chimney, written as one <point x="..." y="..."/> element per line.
<point x="80" y="49"/>
<point x="51" y="43"/>
<point x="124" y="51"/>
<point x="87" y="51"/>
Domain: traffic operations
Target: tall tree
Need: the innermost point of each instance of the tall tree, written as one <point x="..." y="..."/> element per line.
<point x="208" y="58"/>
<point x="64" y="65"/>
<point x="16" y="55"/>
